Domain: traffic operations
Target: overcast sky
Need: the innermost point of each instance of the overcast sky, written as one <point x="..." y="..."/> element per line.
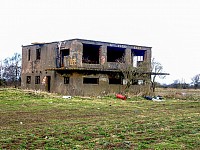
<point x="170" y="27"/>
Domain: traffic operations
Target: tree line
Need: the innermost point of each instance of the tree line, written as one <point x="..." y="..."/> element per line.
<point x="181" y="84"/>
<point x="10" y="71"/>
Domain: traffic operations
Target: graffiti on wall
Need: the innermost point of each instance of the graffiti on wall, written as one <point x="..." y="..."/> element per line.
<point x="44" y="80"/>
<point x="72" y="61"/>
<point x="103" y="60"/>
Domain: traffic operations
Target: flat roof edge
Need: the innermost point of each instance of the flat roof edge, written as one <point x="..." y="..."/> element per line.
<point x="83" y="40"/>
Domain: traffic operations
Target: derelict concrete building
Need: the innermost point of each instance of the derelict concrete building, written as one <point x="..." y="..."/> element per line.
<point x="78" y="66"/>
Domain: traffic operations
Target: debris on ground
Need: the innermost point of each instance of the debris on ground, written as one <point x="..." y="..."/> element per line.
<point x="154" y="98"/>
<point x="120" y="96"/>
<point x="67" y="97"/>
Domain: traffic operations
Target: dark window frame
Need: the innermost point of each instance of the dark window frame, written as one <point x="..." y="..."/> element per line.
<point x="28" y="79"/>
<point x="37" y="79"/>
<point x="87" y="80"/>
<point x="29" y="54"/>
<point x="38" y="53"/>
<point x="66" y="80"/>
<point x="91" y="53"/>
<point x="115" y="53"/>
<point x="115" y="81"/>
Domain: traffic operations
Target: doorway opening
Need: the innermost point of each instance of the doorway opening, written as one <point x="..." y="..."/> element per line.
<point x="48" y="83"/>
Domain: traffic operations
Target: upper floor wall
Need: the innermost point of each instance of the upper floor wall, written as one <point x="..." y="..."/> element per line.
<point x="78" y="53"/>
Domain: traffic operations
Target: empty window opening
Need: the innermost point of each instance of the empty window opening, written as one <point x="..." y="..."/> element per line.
<point x="114" y="53"/>
<point x="138" y="82"/>
<point x="134" y="82"/>
<point x="29" y="55"/>
<point x="91" y="53"/>
<point x="38" y="53"/>
<point x="64" y="52"/>
<point x="115" y="81"/>
<point x="138" y="57"/>
<point x="37" y="79"/>
<point x="90" y="80"/>
<point x="28" y="79"/>
<point x="66" y="80"/>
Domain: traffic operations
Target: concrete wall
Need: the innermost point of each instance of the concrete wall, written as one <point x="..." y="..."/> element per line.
<point x="35" y="67"/>
<point x="77" y="87"/>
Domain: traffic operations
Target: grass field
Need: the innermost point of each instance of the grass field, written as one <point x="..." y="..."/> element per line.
<point x="35" y="120"/>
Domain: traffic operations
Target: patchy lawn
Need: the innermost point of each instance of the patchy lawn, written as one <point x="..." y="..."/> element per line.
<point x="34" y="120"/>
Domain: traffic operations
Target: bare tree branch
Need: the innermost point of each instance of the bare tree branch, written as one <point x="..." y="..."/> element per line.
<point x="156" y="70"/>
<point x="131" y="74"/>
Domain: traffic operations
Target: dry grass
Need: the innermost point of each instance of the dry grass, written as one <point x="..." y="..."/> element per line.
<point x="187" y="94"/>
<point x="37" y="120"/>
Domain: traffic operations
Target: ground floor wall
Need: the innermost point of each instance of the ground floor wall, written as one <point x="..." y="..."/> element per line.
<point x="76" y="84"/>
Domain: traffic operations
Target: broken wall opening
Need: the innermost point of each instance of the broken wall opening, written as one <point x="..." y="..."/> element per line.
<point x="115" y="81"/>
<point x="138" y="56"/>
<point x="115" y="53"/>
<point x="38" y="53"/>
<point x="90" y="53"/>
<point x="63" y="52"/>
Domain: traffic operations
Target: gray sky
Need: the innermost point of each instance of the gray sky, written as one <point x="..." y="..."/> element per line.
<point x="170" y="27"/>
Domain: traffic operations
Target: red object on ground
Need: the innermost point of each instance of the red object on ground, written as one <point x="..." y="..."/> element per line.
<point x="120" y="96"/>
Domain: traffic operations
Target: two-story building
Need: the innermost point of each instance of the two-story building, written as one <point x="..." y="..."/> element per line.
<point x="79" y="67"/>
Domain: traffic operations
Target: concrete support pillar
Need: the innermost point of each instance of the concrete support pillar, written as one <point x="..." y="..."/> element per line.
<point x="148" y="58"/>
<point x="128" y="56"/>
<point x="76" y="53"/>
<point x="103" y="55"/>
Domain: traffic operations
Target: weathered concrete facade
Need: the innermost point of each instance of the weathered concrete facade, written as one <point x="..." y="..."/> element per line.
<point x="78" y="67"/>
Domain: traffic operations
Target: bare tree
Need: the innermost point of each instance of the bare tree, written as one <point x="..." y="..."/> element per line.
<point x="156" y="70"/>
<point x="181" y="84"/>
<point x="147" y="71"/>
<point x="196" y="81"/>
<point x="131" y="74"/>
<point x="12" y="69"/>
